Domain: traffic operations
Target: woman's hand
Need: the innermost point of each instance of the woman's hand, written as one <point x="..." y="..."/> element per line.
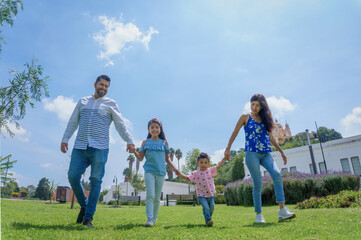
<point x="284" y="158"/>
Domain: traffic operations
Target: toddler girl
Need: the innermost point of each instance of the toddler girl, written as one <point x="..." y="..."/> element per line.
<point x="204" y="180"/>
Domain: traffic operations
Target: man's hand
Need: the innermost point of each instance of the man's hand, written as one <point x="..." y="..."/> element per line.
<point x="64" y="147"/>
<point x="130" y="148"/>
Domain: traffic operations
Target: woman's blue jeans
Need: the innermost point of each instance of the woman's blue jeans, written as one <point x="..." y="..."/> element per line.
<point x="153" y="188"/>
<point x="80" y="161"/>
<point x="253" y="161"/>
<point x="208" y="207"/>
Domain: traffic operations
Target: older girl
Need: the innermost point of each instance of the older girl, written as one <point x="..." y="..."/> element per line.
<point x="156" y="152"/>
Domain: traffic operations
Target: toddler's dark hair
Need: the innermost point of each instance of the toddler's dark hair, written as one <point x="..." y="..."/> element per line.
<point x="202" y="155"/>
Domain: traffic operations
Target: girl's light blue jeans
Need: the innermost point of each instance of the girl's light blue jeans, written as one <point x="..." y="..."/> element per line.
<point x="80" y="161"/>
<point x="208" y="207"/>
<point x="253" y="161"/>
<point x="153" y="188"/>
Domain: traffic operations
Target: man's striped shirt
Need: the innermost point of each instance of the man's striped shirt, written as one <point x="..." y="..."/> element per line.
<point x="94" y="116"/>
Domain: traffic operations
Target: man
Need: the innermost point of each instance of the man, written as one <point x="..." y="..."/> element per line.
<point x="93" y="115"/>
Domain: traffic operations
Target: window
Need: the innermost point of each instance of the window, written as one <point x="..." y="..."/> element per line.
<point x="266" y="173"/>
<point x="322" y="167"/>
<point x="345" y="165"/>
<point x="284" y="170"/>
<point x="311" y="169"/>
<point x="293" y="169"/>
<point x="355" y="161"/>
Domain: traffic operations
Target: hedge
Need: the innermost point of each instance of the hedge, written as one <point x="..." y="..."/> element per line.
<point x="297" y="187"/>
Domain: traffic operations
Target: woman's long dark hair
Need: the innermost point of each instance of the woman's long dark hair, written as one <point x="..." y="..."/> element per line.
<point x="265" y="112"/>
<point x="161" y="134"/>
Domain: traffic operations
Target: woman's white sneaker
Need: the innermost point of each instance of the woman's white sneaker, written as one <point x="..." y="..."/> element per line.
<point x="260" y="218"/>
<point x="284" y="213"/>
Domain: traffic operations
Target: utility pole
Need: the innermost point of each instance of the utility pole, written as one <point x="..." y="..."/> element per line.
<point x="311" y="152"/>
<point x="319" y="138"/>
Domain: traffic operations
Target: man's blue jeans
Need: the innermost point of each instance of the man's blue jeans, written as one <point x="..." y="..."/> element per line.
<point x="208" y="207"/>
<point x="80" y="160"/>
<point x="153" y="188"/>
<point x="253" y="161"/>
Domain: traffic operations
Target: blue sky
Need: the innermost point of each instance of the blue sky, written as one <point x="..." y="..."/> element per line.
<point x="192" y="64"/>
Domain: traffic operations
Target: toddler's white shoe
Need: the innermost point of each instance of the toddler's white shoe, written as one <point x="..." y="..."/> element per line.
<point x="284" y="213"/>
<point x="260" y="218"/>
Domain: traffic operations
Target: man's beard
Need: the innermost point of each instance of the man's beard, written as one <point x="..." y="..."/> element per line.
<point x="101" y="94"/>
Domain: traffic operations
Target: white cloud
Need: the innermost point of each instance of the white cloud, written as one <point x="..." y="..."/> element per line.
<point x="117" y="37"/>
<point x="20" y="133"/>
<point x="352" y="122"/>
<point x="52" y="166"/>
<point x="217" y="156"/>
<point x="62" y="106"/>
<point x="278" y="106"/>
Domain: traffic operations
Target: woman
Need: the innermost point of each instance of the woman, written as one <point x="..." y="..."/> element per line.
<point x="258" y="127"/>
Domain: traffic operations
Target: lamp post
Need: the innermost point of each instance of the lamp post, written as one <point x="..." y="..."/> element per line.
<point x="311" y="152"/>
<point x="323" y="156"/>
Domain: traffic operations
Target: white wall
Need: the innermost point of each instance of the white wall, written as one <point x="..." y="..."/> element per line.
<point x="334" y="151"/>
<point x="126" y="189"/>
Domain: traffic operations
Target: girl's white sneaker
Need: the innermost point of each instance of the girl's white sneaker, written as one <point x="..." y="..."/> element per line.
<point x="284" y="213"/>
<point x="260" y="218"/>
<point x="149" y="223"/>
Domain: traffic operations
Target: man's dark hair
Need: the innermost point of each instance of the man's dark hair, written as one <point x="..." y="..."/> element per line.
<point x="105" y="77"/>
<point x="202" y="155"/>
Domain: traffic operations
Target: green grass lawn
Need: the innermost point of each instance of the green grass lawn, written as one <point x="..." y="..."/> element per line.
<point x="37" y="220"/>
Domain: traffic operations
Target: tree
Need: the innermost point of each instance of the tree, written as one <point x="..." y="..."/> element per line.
<point x="31" y="190"/>
<point x="325" y="134"/>
<point x="138" y="183"/>
<point x="10" y="187"/>
<point x="26" y="86"/>
<point x="6" y="164"/>
<point x="127" y="173"/>
<point x="102" y="194"/>
<point x="131" y="160"/>
<point x="224" y="174"/>
<point x="43" y="189"/>
<point x="191" y="161"/>
<point x="86" y="184"/>
<point x="238" y="167"/>
<point x="178" y="155"/>
<point x="52" y="188"/>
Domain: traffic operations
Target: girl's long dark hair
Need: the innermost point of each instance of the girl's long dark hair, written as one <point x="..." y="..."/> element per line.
<point x="265" y="112"/>
<point x="161" y="134"/>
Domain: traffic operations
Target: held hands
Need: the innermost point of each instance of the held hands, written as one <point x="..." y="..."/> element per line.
<point x="227" y="154"/>
<point x="130" y="148"/>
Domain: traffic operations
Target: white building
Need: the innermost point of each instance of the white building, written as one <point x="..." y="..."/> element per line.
<point x="340" y="155"/>
<point x="126" y="189"/>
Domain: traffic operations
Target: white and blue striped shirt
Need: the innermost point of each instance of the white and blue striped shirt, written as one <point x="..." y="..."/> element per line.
<point x="94" y="116"/>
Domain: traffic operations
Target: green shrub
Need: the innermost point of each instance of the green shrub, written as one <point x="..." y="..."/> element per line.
<point x="219" y="199"/>
<point x="297" y="187"/>
<point x="293" y="190"/>
<point x="343" y="199"/>
<point x="14" y="194"/>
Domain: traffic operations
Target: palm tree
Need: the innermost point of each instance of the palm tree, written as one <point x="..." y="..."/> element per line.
<point x="131" y="160"/>
<point x="178" y="155"/>
<point x="138" y="163"/>
<point x="169" y="169"/>
<point x="127" y="173"/>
